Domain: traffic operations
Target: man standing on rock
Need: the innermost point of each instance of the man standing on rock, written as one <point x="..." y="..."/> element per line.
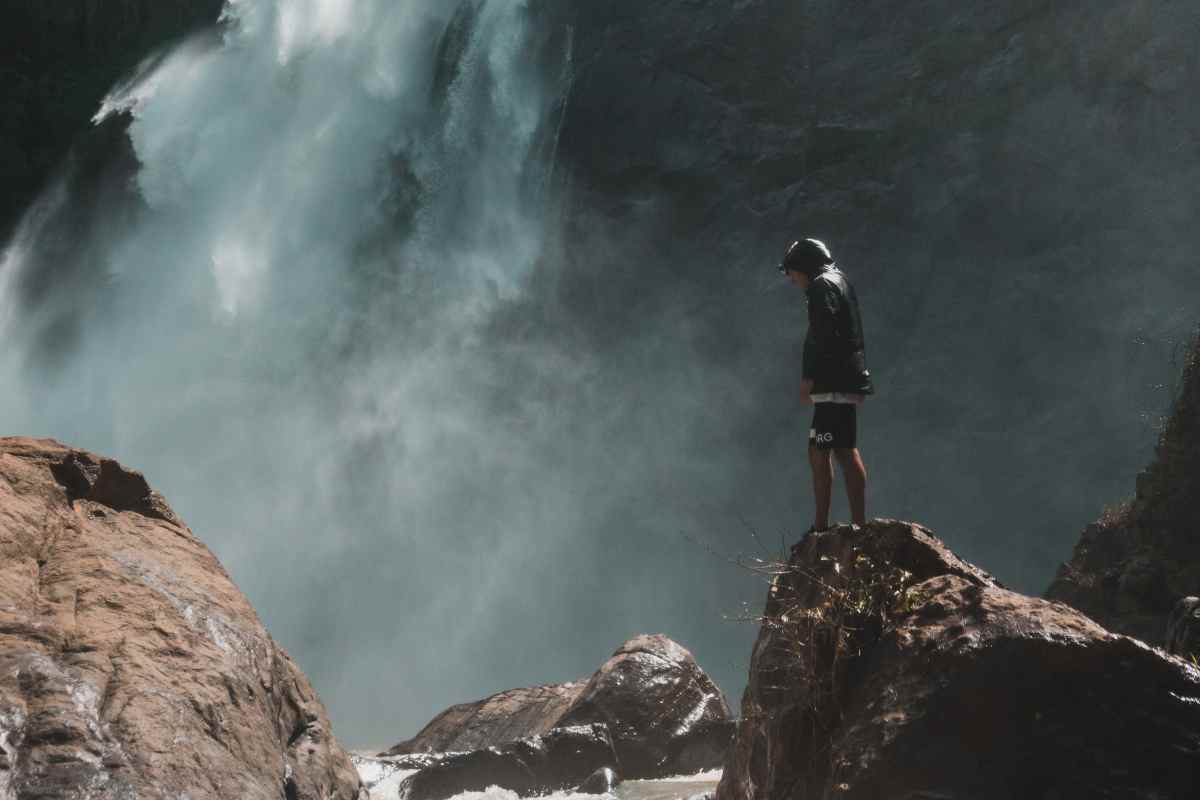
<point x="834" y="377"/>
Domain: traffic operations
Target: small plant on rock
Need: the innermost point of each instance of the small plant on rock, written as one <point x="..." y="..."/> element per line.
<point x="822" y="615"/>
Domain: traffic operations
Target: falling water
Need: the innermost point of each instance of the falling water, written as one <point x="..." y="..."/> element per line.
<point x="292" y="327"/>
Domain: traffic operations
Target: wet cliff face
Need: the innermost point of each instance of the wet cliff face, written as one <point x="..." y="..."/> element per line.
<point x="1010" y="185"/>
<point x="58" y="60"/>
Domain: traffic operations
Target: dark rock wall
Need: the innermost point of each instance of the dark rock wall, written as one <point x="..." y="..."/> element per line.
<point x="1011" y="185"/>
<point x="1131" y="567"/>
<point x="57" y="62"/>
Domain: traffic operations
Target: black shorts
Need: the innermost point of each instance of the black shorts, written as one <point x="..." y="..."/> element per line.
<point x="834" y="426"/>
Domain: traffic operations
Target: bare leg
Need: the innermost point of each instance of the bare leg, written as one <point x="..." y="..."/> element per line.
<point x="855" y="473"/>
<point x="822" y="470"/>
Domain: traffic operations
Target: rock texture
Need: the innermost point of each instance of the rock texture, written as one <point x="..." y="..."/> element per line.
<point x="559" y="759"/>
<point x="889" y="668"/>
<point x="655" y="700"/>
<point x="665" y="715"/>
<point x="130" y="664"/>
<point x="503" y="717"/>
<point x="1130" y="568"/>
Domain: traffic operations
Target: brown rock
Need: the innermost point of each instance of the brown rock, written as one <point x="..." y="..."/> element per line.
<point x="130" y="664"/>
<point x="664" y="713"/>
<point x="504" y="717"/>
<point x="889" y="668"/>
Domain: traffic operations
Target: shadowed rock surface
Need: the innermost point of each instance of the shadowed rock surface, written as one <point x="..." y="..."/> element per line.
<point x="888" y="667"/>
<point x="1130" y="569"/>
<point x="665" y="715"/>
<point x="560" y="759"/>
<point x="130" y="664"/>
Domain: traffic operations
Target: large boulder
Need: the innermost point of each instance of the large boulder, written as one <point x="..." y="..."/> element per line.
<point x="887" y="667"/>
<point x="560" y="759"/>
<point x="657" y="703"/>
<point x="1130" y="568"/>
<point x="130" y="664"/>
<point x="503" y="717"/>
<point x="665" y="715"/>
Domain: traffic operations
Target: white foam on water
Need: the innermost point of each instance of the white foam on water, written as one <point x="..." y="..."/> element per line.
<point x="710" y="776"/>
<point x="676" y="787"/>
<point x="381" y="778"/>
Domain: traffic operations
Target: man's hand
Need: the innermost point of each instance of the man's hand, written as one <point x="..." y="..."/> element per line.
<point x="806" y="392"/>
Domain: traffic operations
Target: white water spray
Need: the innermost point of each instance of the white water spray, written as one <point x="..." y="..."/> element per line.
<point x="292" y="336"/>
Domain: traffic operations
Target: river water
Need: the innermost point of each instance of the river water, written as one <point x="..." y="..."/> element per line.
<point x="384" y="783"/>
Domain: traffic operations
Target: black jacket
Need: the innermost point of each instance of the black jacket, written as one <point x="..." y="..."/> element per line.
<point x="835" y="358"/>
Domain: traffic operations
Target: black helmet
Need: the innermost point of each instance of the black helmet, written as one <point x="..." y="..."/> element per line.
<point x="806" y="255"/>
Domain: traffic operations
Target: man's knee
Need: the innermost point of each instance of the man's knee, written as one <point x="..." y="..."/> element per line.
<point x="851" y="463"/>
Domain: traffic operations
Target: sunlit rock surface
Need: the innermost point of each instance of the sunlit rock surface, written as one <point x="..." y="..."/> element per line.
<point x="502" y="717"/>
<point x="665" y="715"/>
<point x="130" y="664"/>
<point x="889" y="667"/>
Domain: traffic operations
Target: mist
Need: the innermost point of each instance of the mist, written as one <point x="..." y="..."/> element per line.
<point x="306" y="334"/>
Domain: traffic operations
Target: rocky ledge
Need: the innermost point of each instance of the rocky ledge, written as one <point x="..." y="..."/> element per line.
<point x="130" y="664"/>
<point x="888" y="667"/>
<point x="562" y="758"/>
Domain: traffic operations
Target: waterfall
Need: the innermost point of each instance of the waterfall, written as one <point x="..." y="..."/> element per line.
<point x="292" y="328"/>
